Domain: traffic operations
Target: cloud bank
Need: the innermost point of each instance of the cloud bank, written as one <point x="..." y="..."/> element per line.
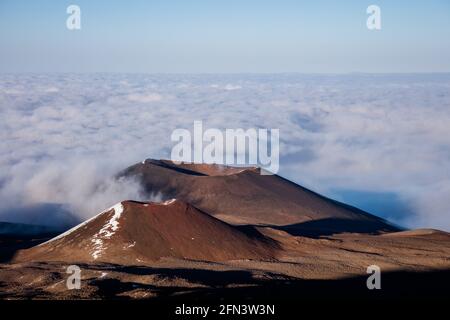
<point x="63" y="136"/>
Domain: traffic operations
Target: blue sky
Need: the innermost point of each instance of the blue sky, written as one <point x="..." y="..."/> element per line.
<point x="376" y="141"/>
<point x="225" y="36"/>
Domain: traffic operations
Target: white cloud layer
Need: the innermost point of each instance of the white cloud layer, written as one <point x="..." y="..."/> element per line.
<point x="63" y="136"/>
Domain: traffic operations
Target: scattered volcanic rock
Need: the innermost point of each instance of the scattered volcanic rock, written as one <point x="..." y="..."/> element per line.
<point x="244" y="196"/>
<point x="134" y="232"/>
<point x="302" y="241"/>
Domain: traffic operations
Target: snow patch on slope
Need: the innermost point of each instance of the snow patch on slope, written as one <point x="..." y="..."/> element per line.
<point x="165" y="203"/>
<point x="107" y="231"/>
<point x="131" y="245"/>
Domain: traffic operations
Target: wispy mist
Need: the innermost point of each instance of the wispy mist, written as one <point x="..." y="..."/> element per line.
<point x="65" y="136"/>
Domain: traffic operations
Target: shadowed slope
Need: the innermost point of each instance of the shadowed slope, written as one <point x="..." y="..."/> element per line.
<point x="243" y="196"/>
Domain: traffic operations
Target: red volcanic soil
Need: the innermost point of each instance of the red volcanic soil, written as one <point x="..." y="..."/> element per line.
<point x="171" y="249"/>
<point x="244" y="196"/>
<point x="134" y="232"/>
